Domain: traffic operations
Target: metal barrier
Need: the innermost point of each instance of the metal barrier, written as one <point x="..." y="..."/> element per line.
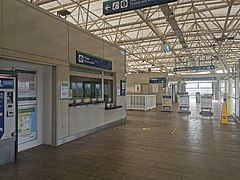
<point x="141" y="102"/>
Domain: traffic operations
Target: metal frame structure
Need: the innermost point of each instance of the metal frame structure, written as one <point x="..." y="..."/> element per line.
<point x="199" y="32"/>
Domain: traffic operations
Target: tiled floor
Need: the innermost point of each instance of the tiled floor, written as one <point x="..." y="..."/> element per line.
<point x="200" y="148"/>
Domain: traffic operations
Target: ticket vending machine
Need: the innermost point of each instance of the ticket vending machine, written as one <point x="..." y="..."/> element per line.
<point x="8" y="118"/>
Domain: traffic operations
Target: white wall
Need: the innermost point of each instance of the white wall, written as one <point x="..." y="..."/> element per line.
<point x="34" y="35"/>
<point x="143" y="79"/>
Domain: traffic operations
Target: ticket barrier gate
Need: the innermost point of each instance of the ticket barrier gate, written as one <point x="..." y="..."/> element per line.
<point x="8" y="117"/>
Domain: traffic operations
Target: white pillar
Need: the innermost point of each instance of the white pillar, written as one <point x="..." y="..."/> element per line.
<point x="237" y="112"/>
<point x="216" y="90"/>
<point x="230" y="91"/>
<point x="226" y="86"/>
<point x="237" y="95"/>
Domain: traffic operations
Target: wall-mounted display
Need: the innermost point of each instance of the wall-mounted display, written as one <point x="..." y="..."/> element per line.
<point x="137" y="88"/>
<point x="122" y="88"/>
<point x="64" y="90"/>
<point x="27" y="124"/>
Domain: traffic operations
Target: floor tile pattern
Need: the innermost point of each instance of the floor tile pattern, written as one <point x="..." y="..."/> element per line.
<point x="200" y="148"/>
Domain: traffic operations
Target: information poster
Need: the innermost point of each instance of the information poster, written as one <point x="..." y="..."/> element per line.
<point x="122" y="88"/>
<point x="138" y="88"/>
<point x="27" y="84"/>
<point x="184" y="100"/>
<point x="206" y="102"/>
<point x="167" y="101"/>
<point x="155" y="88"/>
<point x="27" y="124"/>
<point x="64" y="90"/>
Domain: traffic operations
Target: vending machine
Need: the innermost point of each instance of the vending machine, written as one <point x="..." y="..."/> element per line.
<point x="8" y="117"/>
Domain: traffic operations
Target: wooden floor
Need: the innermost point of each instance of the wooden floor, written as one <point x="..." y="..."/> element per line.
<point x="152" y="145"/>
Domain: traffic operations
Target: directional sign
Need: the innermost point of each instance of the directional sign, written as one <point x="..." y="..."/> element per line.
<point x="194" y="68"/>
<point x="1" y="114"/>
<point x="199" y="79"/>
<point x="117" y="6"/>
<point x="157" y="80"/>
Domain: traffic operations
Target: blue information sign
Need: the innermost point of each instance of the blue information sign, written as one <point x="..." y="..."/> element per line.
<point x="1" y="114"/>
<point x="93" y="61"/>
<point x="117" y="6"/>
<point x="199" y="79"/>
<point x="158" y="80"/>
<point x="6" y="83"/>
<point x="194" y="68"/>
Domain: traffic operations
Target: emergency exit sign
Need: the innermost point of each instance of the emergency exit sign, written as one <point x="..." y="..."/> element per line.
<point x="117" y="6"/>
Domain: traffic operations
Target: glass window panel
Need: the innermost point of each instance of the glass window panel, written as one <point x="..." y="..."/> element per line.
<point x="192" y="85"/>
<point x="87" y="89"/>
<point x="83" y="87"/>
<point x="74" y="89"/>
<point x="108" y="90"/>
<point x="205" y="85"/>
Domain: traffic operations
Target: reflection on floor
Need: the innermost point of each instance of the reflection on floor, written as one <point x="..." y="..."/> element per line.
<point x="153" y="145"/>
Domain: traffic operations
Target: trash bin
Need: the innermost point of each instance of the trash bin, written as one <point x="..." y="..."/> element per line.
<point x="198" y="97"/>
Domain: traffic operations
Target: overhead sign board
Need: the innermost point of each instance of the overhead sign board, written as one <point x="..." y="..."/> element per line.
<point x="199" y="79"/>
<point x="209" y="67"/>
<point x="117" y="6"/>
<point x="93" y="61"/>
<point x="158" y="80"/>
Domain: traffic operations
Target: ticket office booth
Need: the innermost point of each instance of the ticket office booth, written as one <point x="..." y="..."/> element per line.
<point x="8" y="117"/>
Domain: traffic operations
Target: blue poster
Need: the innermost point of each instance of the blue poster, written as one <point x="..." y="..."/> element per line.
<point x="1" y="114"/>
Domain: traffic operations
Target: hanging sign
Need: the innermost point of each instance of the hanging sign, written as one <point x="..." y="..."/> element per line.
<point x="199" y="79"/>
<point x="117" y="6"/>
<point x="194" y="68"/>
<point x="158" y="80"/>
<point x="93" y="61"/>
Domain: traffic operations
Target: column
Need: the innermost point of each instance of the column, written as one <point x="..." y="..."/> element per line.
<point x="230" y="94"/>
<point x="237" y="90"/>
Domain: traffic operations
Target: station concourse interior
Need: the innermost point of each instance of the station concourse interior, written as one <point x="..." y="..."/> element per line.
<point x="119" y="90"/>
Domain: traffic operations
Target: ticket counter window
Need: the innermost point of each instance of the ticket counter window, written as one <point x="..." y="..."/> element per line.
<point x="83" y="87"/>
<point x="108" y="90"/>
<point x="77" y="89"/>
